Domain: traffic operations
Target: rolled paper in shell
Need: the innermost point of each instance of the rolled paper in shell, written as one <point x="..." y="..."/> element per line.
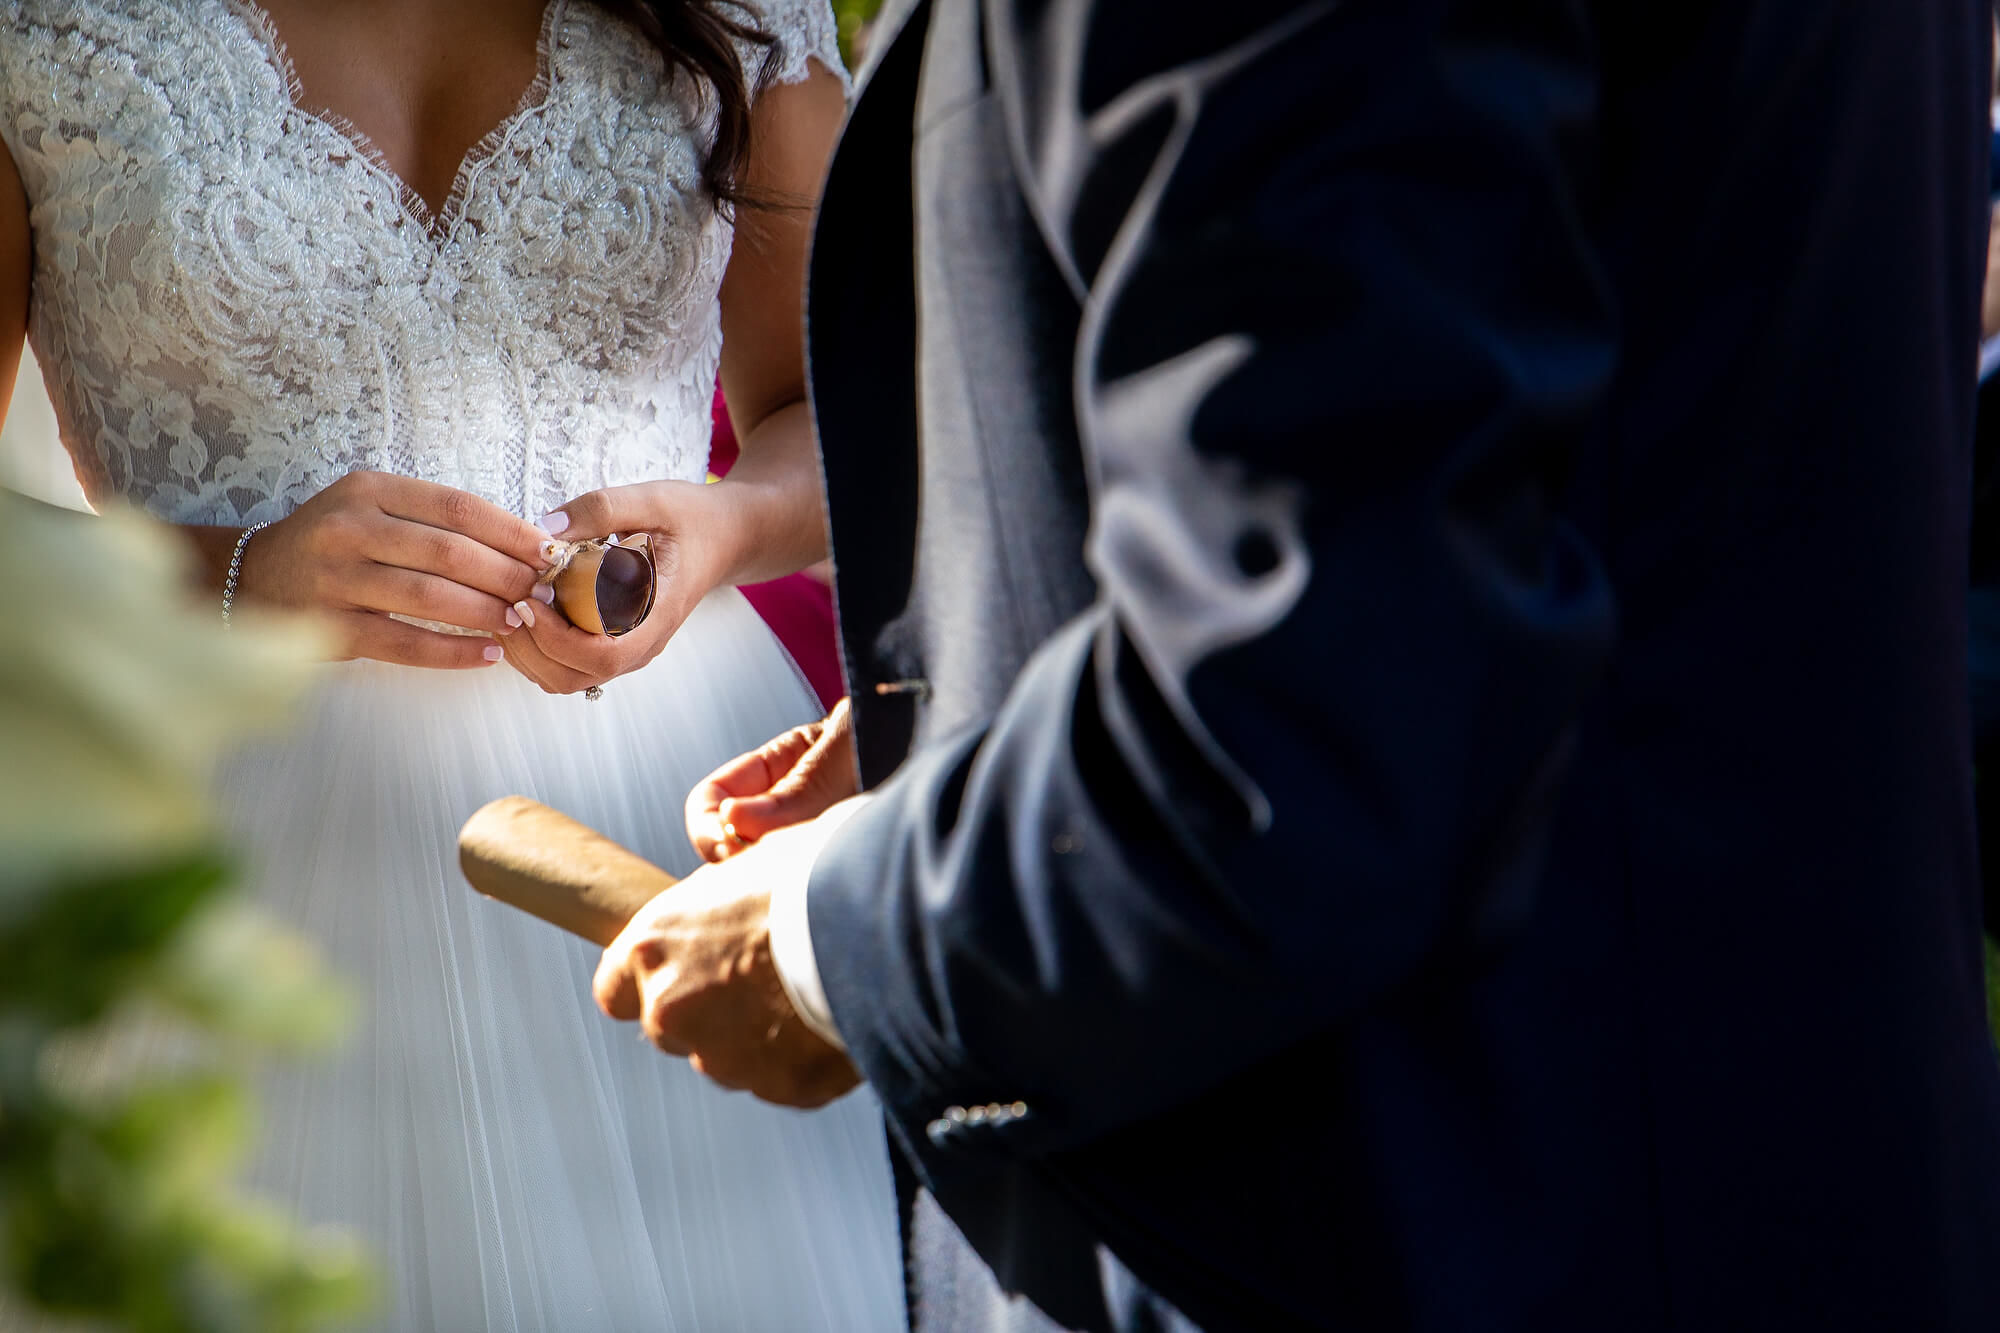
<point x="605" y="586"/>
<point x="547" y="864"/>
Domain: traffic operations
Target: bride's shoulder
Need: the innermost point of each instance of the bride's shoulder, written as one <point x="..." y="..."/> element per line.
<point x="593" y="45"/>
<point x="100" y="72"/>
<point x="49" y="45"/>
<point x="72" y="34"/>
<point x="801" y="31"/>
<point x="71" y="18"/>
<point x="798" y="32"/>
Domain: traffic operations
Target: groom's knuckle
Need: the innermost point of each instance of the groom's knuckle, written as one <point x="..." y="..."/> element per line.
<point x="726" y="1072"/>
<point x="608" y="988"/>
<point x="659" y="1017"/>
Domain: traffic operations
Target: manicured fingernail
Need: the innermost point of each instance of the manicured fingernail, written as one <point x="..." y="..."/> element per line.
<point x="522" y="612"/>
<point x="553" y="524"/>
<point x="493" y="652"/>
<point x="514" y="617"/>
<point x="544" y="594"/>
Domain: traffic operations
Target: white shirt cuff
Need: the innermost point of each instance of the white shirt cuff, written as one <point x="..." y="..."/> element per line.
<point x="791" y="933"/>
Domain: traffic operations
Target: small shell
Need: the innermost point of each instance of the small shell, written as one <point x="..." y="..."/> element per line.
<point x="607" y="586"/>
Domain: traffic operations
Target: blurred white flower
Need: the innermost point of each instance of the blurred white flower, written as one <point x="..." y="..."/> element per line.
<point x="118" y="692"/>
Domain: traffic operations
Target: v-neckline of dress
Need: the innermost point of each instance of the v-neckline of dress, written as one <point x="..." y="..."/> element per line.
<point x="436" y="223"/>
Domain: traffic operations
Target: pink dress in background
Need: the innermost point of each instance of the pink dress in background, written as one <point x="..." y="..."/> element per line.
<point x="798" y="607"/>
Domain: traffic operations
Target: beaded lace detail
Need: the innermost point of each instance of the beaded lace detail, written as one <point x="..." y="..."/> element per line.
<point x="236" y="302"/>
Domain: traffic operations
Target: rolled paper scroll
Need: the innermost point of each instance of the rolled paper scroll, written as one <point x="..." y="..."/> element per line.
<point x="547" y="864"/>
<point x="603" y="585"/>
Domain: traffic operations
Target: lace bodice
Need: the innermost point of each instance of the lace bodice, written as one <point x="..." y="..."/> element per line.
<point x="235" y="302"/>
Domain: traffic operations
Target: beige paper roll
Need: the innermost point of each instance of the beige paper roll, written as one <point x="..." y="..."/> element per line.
<point x="547" y="864"/>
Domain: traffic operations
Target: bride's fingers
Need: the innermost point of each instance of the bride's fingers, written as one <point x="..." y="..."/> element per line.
<point x="410" y="592"/>
<point x="528" y="658"/>
<point x="521" y="663"/>
<point x="634" y="508"/>
<point x="451" y="555"/>
<point x="456" y="511"/>
<point x="597" y="656"/>
<point x="371" y="634"/>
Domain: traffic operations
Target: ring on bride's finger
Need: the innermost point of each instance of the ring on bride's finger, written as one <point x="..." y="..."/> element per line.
<point x="593" y="692"/>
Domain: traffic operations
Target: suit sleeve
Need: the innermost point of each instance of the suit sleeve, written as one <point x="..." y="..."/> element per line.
<point x="1343" y="336"/>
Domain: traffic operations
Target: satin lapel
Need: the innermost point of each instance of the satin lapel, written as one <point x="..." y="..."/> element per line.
<point x="861" y="377"/>
<point x="1022" y="57"/>
<point x="889" y="21"/>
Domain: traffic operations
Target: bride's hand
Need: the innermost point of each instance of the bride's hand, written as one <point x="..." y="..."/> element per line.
<point x="691" y="551"/>
<point x="373" y="543"/>
<point x="798" y="776"/>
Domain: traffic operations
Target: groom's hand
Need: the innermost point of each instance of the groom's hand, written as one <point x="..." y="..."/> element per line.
<point x="798" y="776"/>
<point x="694" y="968"/>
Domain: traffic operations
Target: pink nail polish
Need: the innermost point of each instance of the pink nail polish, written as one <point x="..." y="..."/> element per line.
<point x="544" y="594"/>
<point x="553" y="524"/>
<point x="493" y="652"/>
<point x="514" y="618"/>
<point x="524" y="611"/>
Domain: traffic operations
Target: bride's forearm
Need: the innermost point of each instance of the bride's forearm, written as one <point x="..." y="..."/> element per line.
<point x="770" y="520"/>
<point x="212" y="549"/>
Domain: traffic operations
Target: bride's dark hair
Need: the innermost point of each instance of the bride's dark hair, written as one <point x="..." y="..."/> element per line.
<point x="698" y="38"/>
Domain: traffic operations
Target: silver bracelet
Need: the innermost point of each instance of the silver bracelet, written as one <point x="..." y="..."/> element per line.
<point x="236" y="568"/>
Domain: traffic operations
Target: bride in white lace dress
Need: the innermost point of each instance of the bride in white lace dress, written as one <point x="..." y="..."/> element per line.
<point x="396" y="351"/>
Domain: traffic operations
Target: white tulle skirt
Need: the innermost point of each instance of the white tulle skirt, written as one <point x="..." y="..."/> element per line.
<point x="518" y="1161"/>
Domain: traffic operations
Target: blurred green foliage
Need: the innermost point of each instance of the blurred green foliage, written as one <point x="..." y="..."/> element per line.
<point x="1993" y="988"/>
<point x="853" y="15"/>
<point x="138" y="993"/>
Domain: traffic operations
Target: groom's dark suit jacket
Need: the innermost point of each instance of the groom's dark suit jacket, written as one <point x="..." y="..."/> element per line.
<point x="1401" y="566"/>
